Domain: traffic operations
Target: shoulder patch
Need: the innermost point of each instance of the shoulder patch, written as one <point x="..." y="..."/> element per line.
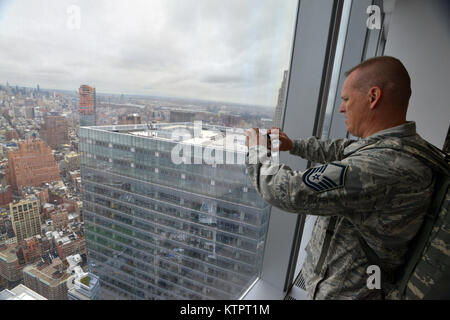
<point x="324" y="178"/>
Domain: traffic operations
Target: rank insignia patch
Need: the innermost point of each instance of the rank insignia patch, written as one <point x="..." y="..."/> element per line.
<point x="326" y="177"/>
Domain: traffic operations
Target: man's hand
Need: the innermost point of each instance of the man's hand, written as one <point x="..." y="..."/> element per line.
<point x="285" y="144"/>
<point x="255" y="138"/>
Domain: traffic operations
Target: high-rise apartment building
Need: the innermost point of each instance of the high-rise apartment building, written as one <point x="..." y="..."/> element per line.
<point x="25" y="218"/>
<point x="54" y="131"/>
<point x="87" y="106"/>
<point x="156" y="229"/>
<point x="31" y="165"/>
<point x="280" y="101"/>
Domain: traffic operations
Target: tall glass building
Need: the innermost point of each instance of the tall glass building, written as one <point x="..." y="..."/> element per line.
<point x="170" y="212"/>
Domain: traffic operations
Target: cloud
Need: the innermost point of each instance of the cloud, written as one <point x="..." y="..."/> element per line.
<point x="208" y="49"/>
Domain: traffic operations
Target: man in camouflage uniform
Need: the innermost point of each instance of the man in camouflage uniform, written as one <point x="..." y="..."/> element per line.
<point x="370" y="188"/>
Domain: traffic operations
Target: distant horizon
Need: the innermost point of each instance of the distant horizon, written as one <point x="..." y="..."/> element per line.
<point x="135" y="95"/>
<point x="232" y="50"/>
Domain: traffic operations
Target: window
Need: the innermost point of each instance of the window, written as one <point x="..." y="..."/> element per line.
<point x="226" y="64"/>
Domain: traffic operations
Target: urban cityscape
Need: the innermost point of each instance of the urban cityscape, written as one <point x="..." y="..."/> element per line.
<point x="93" y="95"/>
<point x="93" y="207"/>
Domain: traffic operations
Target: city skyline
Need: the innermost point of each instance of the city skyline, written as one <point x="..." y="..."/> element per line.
<point x="128" y="95"/>
<point x="230" y="52"/>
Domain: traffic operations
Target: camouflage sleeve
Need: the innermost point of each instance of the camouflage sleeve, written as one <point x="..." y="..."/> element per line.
<point x="320" y="151"/>
<point x="344" y="187"/>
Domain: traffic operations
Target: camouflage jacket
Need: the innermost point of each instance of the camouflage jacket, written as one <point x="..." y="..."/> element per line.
<point x="380" y="192"/>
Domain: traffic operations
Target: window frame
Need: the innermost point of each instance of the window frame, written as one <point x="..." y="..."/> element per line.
<point x="309" y="75"/>
<point x="313" y="58"/>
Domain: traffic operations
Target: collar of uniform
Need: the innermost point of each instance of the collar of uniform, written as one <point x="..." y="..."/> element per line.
<point x="404" y="130"/>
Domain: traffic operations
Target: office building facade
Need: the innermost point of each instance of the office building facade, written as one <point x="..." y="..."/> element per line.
<point x="160" y="230"/>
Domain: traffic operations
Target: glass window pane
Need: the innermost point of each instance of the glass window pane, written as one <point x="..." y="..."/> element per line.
<point x="158" y="228"/>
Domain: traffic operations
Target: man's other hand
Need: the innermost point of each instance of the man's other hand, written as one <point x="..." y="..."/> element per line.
<point x="285" y="144"/>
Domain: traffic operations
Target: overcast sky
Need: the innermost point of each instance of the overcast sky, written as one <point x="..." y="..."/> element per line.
<point x="227" y="50"/>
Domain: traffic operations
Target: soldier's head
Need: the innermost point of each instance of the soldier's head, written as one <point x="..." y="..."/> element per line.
<point x="375" y="96"/>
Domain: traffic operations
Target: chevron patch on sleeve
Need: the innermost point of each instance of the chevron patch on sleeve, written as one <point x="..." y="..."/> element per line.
<point x="324" y="178"/>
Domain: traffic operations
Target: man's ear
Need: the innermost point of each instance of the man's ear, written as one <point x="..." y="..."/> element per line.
<point x="374" y="96"/>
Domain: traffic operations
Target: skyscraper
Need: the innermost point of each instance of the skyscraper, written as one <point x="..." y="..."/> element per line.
<point x="280" y="101"/>
<point x="87" y="106"/>
<point x="158" y="230"/>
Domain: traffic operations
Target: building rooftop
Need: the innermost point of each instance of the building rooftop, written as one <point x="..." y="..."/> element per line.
<point x="8" y="253"/>
<point x="20" y="292"/>
<point x="186" y="133"/>
<point x="50" y="273"/>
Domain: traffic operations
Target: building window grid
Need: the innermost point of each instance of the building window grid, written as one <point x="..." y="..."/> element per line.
<point x="185" y="257"/>
<point x="163" y="271"/>
<point x="149" y="184"/>
<point x="114" y="285"/>
<point x="170" y="207"/>
<point x="170" y="175"/>
<point x="191" y="224"/>
<point x="147" y="195"/>
<point x="133" y="278"/>
<point x="160" y="144"/>
<point x="187" y="245"/>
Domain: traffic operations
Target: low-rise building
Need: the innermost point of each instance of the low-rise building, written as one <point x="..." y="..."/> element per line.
<point x="32" y="249"/>
<point x="72" y="161"/>
<point x="60" y="218"/>
<point x="82" y="285"/>
<point x="20" y="292"/>
<point x="48" y="279"/>
<point x="70" y="244"/>
<point x="10" y="266"/>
